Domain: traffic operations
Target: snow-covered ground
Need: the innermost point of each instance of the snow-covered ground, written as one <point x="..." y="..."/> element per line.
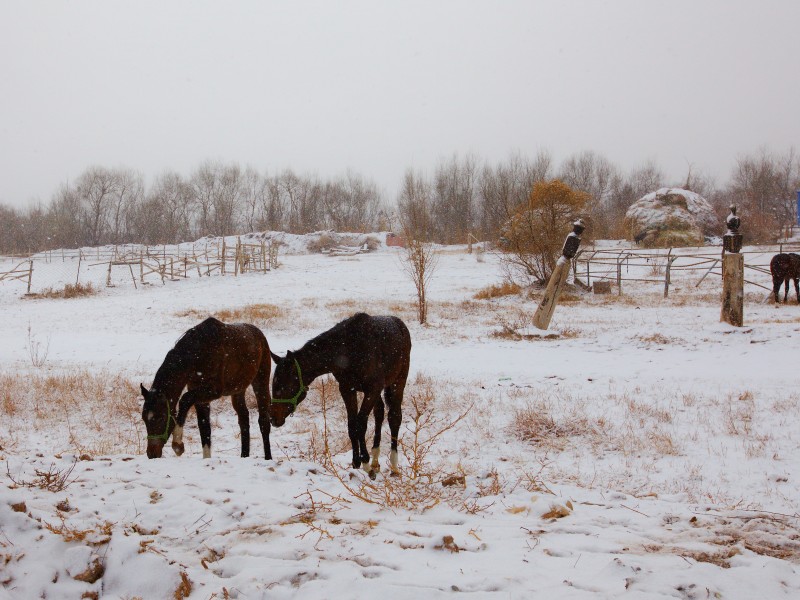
<point x="646" y="451"/>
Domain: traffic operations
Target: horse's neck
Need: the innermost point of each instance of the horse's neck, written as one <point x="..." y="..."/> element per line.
<point x="315" y="358"/>
<point x="170" y="378"/>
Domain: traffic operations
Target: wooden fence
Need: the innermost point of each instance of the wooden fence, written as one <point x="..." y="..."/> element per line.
<point x="143" y="263"/>
<point x="20" y="272"/>
<point x="660" y="266"/>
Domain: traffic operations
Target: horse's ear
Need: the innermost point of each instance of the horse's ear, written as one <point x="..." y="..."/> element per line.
<point x="275" y="357"/>
<point x="145" y="393"/>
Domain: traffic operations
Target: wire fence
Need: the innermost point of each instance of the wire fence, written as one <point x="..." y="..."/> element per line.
<point x="136" y="265"/>
<point x="603" y="269"/>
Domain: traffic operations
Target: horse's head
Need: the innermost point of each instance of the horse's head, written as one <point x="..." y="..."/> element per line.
<point x="158" y="420"/>
<point x="288" y="389"/>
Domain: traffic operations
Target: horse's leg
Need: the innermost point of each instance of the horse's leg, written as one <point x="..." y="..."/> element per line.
<point x="371" y="398"/>
<point x="203" y="410"/>
<point x="776" y="288"/>
<point x="786" y="284"/>
<point x="189" y="399"/>
<point x="261" y="390"/>
<point x="240" y="406"/>
<point x="378" y="411"/>
<point x="797" y="289"/>
<point x="351" y="405"/>
<point x="394" y="402"/>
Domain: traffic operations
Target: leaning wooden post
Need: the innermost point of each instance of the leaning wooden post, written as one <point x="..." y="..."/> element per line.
<point x="541" y="319"/>
<point x="732" y="273"/>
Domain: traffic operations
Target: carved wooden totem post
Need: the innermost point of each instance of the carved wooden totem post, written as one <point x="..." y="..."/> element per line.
<point x="732" y="273"/>
<point x="541" y="319"/>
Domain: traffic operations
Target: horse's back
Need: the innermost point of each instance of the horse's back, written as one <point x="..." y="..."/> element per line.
<point x="383" y="339"/>
<point x="226" y="355"/>
<point x="785" y="265"/>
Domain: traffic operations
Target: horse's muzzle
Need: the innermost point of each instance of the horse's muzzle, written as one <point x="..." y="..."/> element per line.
<point x="154" y="448"/>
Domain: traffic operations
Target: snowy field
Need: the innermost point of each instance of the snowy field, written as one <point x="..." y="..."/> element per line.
<point x="642" y="450"/>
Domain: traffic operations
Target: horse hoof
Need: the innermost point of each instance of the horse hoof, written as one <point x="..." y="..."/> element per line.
<point x="395" y="473"/>
<point x="373" y="474"/>
<point x="178" y="448"/>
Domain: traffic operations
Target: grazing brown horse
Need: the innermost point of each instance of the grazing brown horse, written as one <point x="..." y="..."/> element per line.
<point x="212" y="360"/>
<point x="783" y="268"/>
<point x="365" y="354"/>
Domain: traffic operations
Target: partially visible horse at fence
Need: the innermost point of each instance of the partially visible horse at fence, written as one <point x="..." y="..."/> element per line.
<point x="212" y="359"/>
<point x="365" y="354"/>
<point x="783" y="268"/>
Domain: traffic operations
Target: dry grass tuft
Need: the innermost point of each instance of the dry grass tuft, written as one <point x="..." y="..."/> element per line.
<point x="79" y="290"/>
<point x="89" y="413"/>
<point x="537" y="423"/>
<point x="507" y="288"/>
<point x="184" y="589"/>
<point x="657" y="339"/>
<point x="257" y="314"/>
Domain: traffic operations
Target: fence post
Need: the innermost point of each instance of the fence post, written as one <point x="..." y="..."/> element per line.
<point x="78" y="276"/>
<point x="30" y="276"/>
<point x="667" y="274"/>
<point x="224" y="256"/>
<point x="619" y="277"/>
<point x="588" y="273"/>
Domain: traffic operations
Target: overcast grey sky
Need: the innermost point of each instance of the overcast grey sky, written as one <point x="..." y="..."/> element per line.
<point x="379" y="87"/>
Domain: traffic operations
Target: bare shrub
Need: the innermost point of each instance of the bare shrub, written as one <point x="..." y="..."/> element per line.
<point x="52" y="480"/>
<point x="419" y="484"/>
<point x="324" y="242"/>
<point x="36" y="351"/>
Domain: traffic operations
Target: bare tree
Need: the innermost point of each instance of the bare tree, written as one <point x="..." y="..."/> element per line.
<point x="419" y="258"/>
<point x="94" y="188"/>
<point x="596" y="175"/>
<point x="764" y="184"/>
<point x="455" y="185"/>
<point x="506" y="186"/>
<point x="414" y="205"/>
<point x="254" y="192"/>
<point x="126" y="194"/>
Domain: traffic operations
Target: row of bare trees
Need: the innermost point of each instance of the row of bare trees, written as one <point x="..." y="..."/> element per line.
<point x="112" y="206"/>
<point x="461" y="197"/>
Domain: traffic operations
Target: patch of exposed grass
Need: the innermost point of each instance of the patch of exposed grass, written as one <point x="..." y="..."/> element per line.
<point x="79" y="290"/>
<point x="658" y="339"/>
<point x="85" y="412"/>
<point x="257" y="314"/>
<point x="507" y="288"/>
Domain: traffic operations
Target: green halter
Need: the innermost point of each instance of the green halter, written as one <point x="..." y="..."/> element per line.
<point x="164" y="435"/>
<point x="294" y="399"/>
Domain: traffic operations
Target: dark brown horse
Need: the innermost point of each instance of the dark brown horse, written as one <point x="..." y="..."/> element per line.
<point x="212" y="360"/>
<point x="365" y="354"/>
<point x="783" y="268"/>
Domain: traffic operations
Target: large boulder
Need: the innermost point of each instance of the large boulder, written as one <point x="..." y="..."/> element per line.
<point x="671" y="217"/>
